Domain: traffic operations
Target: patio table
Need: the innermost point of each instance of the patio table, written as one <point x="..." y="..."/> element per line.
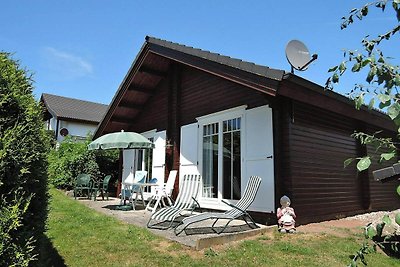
<point x="141" y="190"/>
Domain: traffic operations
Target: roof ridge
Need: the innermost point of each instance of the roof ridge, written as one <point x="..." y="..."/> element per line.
<point x="237" y="63"/>
<point x="148" y="39"/>
<point x="73" y="98"/>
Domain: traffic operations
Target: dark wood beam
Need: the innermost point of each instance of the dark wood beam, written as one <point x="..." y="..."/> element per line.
<point x="144" y="90"/>
<point x="173" y="122"/>
<point x="130" y="105"/>
<point x="120" y="119"/>
<point x="154" y="72"/>
<point x="255" y="81"/>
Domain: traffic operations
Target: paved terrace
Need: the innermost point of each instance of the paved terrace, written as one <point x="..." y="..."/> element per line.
<point x="199" y="238"/>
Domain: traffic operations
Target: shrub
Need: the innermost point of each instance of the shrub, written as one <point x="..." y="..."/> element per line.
<point x="23" y="163"/>
<point x="72" y="158"/>
<point x="13" y="251"/>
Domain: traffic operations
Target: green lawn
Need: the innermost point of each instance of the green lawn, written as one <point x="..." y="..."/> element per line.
<point x="83" y="237"/>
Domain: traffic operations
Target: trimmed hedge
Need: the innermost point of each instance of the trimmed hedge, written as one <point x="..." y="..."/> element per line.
<point x="23" y="162"/>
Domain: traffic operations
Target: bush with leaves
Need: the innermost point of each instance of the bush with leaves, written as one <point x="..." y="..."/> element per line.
<point x="72" y="158"/>
<point x="382" y="85"/>
<point x="23" y="164"/>
<point x="14" y="253"/>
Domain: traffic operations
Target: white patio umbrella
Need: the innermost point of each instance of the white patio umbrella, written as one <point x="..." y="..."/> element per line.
<point x="121" y="140"/>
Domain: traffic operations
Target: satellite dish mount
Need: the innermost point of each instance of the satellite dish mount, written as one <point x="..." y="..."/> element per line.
<point x="298" y="55"/>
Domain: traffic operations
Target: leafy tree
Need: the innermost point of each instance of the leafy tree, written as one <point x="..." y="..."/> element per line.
<point x="381" y="88"/>
<point x="23" y="163"/>
<point x="382" y="79"/>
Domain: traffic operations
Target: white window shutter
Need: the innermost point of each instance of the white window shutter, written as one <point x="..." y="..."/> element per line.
<point x="189" y="150"/>
<point x="259" y="156"/>
<point x="128" y="162"/>
<point x="159" y="155"/>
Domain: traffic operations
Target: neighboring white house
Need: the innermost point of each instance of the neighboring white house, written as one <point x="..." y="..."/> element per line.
<point x="68" y="116"/>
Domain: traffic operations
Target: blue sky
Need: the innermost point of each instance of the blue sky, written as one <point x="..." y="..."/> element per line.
<point x="83" y="49"/>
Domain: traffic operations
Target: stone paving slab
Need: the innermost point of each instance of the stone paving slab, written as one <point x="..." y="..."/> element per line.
<point x="199" y="237"/>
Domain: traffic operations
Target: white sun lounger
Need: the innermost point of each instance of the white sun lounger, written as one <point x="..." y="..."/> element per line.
<point x="186" y="201"/>
<point x="236" y="211"/>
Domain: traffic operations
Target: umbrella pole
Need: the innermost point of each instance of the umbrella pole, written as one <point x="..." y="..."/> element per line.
<point x="120" y="171"/>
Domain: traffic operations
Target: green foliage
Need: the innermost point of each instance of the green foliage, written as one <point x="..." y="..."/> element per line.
<point x="23" y="163"/>
<point x="384" y="146"/>
<point x="210" y="253"/>
<point x="14" y="252"/>
<point x="375" y="236"/>
<point x="72" y="158"/>
<point x="397" y="218"/>
<point x="363" y="163"/>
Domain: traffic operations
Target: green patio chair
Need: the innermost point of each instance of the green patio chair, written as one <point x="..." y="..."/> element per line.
<point x="83" y="183"/>
<point x="102" y="187"/>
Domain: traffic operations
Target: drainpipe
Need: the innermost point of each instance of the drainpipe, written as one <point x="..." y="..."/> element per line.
<point x="58" y="124"/>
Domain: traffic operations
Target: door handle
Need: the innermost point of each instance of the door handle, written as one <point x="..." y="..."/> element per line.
<point x="269" y="157"/>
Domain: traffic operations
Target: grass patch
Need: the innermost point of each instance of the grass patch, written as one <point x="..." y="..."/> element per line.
<point x="84" y="237"/>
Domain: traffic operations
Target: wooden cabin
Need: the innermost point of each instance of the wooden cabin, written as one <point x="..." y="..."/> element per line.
<point x="228" y="119"/>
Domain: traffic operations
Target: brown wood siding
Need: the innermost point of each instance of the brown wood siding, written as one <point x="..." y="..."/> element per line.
<point x="203" y="94"/>
<point x="383" y="194"/>
<point x="281" y="124"/>
<point x="319" y="143"/>
<point x="155" y="113"/>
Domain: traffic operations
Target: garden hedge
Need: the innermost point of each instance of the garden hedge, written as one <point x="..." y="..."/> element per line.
<point x="23" y="163"/>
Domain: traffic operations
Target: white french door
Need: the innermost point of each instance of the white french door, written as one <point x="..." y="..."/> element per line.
<point x="221" y="156"/>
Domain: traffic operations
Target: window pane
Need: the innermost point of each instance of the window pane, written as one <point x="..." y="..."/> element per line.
<point x="236" y="165"/>
<point x="227" y="166"/>
<point x="230" y="164"/>
<point x="210" y="166"/>
<point x="231" y="172"/>
<point x="215" y="127"/>
<point x="148" y="163"/>
<point x="139" y="160"/>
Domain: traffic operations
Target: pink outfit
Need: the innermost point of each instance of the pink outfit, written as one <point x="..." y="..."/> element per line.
<point x="286" y="218"/>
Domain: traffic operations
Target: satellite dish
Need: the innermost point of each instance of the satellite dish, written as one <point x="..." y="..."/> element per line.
<point x="64" y="132"/>
<point x="298" y="55"/>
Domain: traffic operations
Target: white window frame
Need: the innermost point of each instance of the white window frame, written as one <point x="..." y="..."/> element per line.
<point x="237" y="112"/>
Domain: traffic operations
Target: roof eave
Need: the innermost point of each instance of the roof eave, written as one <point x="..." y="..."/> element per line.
<point x="260" y="83"/>
<point x="48" y="108"/>
<point x="134" y="68"/>
<point x="319" y="90"/>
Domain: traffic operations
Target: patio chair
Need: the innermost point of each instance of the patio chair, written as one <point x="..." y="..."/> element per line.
<point x="164" y="191"/>
<point x="237" y="211"/>
<point x="129" y="188"/>
<point x="83" y="182"/>
<point x="103" y="187"/>
<point x="186" y="201"/>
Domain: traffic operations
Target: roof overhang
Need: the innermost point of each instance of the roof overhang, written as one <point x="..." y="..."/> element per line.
<point x="151" y="66"/>
<point x="300" y="89"/>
